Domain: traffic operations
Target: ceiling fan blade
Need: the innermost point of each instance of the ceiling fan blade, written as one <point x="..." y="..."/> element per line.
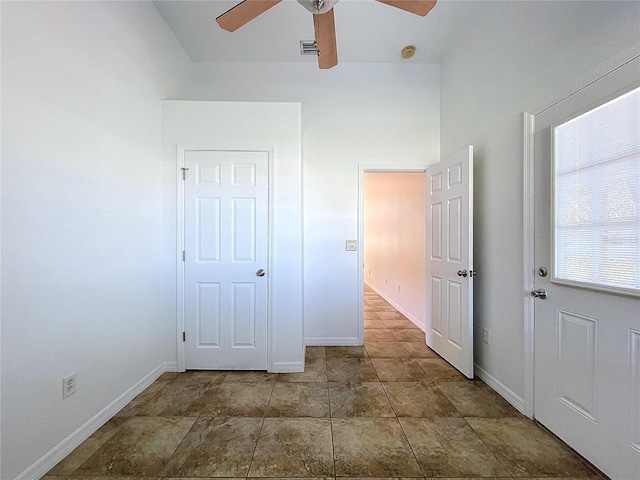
<point x="419" y="7"/>
<point x="325" y="28"/>
<point x="243" y="13"/>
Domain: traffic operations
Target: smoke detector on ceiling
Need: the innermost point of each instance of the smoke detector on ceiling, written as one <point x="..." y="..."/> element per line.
<point x="408" y="51"/>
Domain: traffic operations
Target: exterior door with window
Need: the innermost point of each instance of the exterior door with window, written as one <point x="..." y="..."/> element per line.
<point x="587" y="260"/>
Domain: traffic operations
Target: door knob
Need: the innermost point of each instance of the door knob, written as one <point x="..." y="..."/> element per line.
<point x="463" y="272"/>
<point x="260" y="273"/>
<point x="540" y="293"/>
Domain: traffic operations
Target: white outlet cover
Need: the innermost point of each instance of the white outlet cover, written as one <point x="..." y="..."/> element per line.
<point x="351" y="245"/>
<point x="68" y="385"/>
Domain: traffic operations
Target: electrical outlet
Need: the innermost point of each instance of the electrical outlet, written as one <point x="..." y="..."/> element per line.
<point x="68" y="385"/>
<point x="485" y="336"/>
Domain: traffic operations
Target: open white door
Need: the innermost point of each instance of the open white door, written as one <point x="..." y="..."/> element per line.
<point x="450" y="259"/>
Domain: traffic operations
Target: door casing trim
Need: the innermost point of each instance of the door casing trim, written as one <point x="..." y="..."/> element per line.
<point x="528" y="217"/>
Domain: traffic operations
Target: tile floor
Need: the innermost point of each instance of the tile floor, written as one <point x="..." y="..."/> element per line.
<point x="390" y="409"/>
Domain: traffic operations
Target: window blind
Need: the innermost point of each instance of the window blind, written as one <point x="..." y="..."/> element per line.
<point x="596" y="202"/>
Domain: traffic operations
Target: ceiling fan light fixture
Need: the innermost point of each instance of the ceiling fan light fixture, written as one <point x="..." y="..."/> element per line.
<point x="318" y="7"/>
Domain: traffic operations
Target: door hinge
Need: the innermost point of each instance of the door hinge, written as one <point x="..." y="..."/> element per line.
<point x="184" y="336"/>
<point x="184" y="256"/>
<point x="184" y="173"/>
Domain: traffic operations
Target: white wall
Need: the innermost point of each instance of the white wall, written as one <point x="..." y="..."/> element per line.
<point x="352" y="114"/>
<point x="521" y="56"/>
<point x="251" y="125"/>
<point x="82" y="262"/>
<point x="395" y="241"/>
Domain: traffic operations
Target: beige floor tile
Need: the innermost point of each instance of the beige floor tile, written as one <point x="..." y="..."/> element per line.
<point x="419" y="349"/>
<point x="399" y="370"/>
<point x="379" y="335"/>
<point x="446" y="446"/>
<point x="350" y="370"/>
<point x="104" y="478"/>
<point x="87" y="448"/>
<point x="400" y="323"/>
<point x="375" y="300"/>
<point x="315" y="370"/>
<point x="417" y="399"/>
<point x="142" y="446"/>
<point x="367" y="399"/>
<point x="372" y="447"/>
<point x="371" y="315"/>
<point x="374" y="324"/>
<point x="216" y="447"/>
<point x="176" y="398"/>
<point x="130" y="409"/>
<point x="476" y="399"/>
<point x="408" y="334"/>
<point x="315" y="352"/>
<point x="354" y="352"/>
<point x="238" y="399"/>
<point x="526" y="449"/>
<point x="299" y="400"/>
<point x="440" y="371"/>
<point x="385" y="307"/>
<point x="293" y="447"/>
<point x="387" y="349"/>
<point x="386" y="315"/>
<point x="249" y="376"/>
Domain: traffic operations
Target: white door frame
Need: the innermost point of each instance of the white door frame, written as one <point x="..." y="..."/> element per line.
<point x="528" y="130"/>
<point x="180" y="264"/>
<point x="373" y="168"/>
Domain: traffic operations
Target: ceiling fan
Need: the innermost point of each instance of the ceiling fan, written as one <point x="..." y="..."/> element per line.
<point x="323" y="21"/>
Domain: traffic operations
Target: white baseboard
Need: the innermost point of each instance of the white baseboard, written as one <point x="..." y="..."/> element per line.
<point x="332" y="342"/>
<point x="66" y="446"/>
<point x="418" y="323"/>
<point x="287" y="367"/>
<point x="171" y="366"/>
<point x="500" y="388"/>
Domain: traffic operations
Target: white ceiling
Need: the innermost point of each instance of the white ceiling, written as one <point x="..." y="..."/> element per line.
<point x="367" y="31"/>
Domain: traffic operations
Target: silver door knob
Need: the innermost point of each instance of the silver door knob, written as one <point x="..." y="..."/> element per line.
<point x="260" y="273"/>
<point x="463" y="272"/>
<point x="540" y="293"/>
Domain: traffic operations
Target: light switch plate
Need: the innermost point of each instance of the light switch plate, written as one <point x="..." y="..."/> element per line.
<point x="351" y="245"/>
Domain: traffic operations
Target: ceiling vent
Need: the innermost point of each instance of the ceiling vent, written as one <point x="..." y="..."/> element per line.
<point x="308" y="47"/>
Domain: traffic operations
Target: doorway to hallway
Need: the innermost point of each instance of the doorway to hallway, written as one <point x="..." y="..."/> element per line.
<point x="395" y="242"/>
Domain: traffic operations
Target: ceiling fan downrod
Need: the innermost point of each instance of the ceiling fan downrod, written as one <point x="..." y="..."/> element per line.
<point x="318" y="7"/>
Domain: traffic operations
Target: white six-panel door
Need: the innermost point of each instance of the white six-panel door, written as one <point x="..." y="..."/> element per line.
<point x="450" y="259"/>
<point x="226" y="232"/>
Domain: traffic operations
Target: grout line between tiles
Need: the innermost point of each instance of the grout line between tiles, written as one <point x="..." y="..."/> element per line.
<point x="264" y="416"/>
